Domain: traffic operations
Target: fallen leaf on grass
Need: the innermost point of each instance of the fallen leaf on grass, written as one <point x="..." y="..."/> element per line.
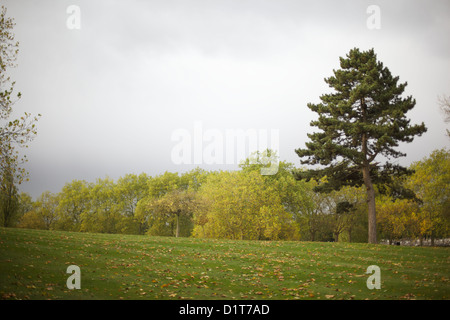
<point x="408" y="296"/>
<point x="8" y="295"/>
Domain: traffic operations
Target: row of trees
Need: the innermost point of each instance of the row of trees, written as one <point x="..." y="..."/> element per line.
<point x="243" y="204"/>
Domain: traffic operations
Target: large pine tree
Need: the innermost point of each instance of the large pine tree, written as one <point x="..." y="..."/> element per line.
<point x="363" y="119"/>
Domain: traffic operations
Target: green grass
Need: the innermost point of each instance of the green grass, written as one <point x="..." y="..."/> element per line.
<point x="33" y="265"/>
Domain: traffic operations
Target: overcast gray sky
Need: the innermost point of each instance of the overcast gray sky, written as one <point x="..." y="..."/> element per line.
<point x="113" y="92"/>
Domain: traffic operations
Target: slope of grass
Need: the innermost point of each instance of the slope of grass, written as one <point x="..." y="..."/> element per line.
<point x="33" y="265"/>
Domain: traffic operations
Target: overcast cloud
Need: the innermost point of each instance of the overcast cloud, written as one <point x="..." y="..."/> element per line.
<point x="112" y="93"/>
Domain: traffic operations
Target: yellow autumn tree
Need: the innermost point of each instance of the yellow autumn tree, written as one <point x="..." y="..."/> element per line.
<point x="174" y="205"/>
<point x="32" y="220"/>
<point x="394" y="217"/>
<point x="238" y="205"/>
<point x="431" y="184"/>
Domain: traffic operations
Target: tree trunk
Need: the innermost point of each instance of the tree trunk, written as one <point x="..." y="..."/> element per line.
<point x="178" y="225"/>
<point x="371" y="204"/>
<point x="313" y="233"/>
<point x="368" y="181"/>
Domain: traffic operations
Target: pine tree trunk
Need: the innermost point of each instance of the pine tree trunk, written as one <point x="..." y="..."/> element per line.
<point x="372" y="216"/>
<point x="371" y="204"/>
<point x="368" y="183"/>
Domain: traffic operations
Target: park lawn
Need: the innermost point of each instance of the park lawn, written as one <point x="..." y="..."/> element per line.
<point x="33" y="265"/>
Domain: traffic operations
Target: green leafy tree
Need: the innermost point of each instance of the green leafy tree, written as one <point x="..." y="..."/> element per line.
<point x="328" y="215"/>
<point x="293" y="194"/>
<point x="9" y="200"/>
<point x="74" y="199"/>
<point x="240" y="205"/>
<point x="46" y="209"/>
<point x="131" y="189"/>
<point x="431" y="183"/>
<point x="349" y="202"/>
<point x="340" y="212"/>
<point x="32" y="220"/>
<point x="363" y="119"/>
<point x="13" y="132"/>
<point x="102" y="213"/>
<point x="392" y="217"/>
<point x="193" y="179"/>
<point x="173" y="207"/>
<point x="160" y="185"/>
<point x="25" y="204"/>
<point x="312" y="217"/>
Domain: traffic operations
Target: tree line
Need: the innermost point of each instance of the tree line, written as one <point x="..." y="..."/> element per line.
<point x="243" y="204"/>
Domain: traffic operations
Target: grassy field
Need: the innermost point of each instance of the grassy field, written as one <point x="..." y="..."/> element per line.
<point x="33" y="265"/>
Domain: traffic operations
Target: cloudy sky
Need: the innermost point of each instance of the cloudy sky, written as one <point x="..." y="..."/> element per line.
<point x="113" y="92"/>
